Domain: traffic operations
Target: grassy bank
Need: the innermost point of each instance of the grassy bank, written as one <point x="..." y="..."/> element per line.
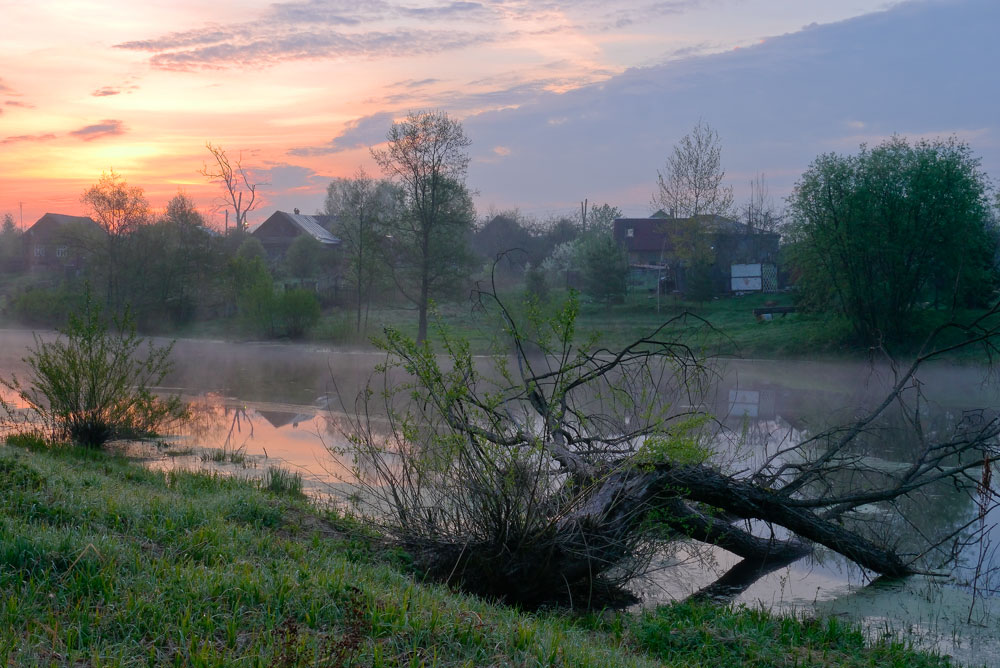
<point x="725" y="326"/>
<point x="105" y="563"/>
<point x="734" y="331"/>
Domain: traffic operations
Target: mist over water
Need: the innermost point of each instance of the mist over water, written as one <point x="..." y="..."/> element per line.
<point x="280" y="404"/>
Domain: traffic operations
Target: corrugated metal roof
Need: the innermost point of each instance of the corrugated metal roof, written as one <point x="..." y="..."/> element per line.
<point x="310" y="226"/>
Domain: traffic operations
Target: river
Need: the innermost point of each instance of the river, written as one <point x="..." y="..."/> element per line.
<point x="261" y="405"/>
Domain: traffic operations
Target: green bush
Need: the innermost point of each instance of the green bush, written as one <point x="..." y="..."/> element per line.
<point x="46" y="307"/>
<point x="304" y="257"/>
<point x="92" y="384"/>
<point x="298" y="311"/>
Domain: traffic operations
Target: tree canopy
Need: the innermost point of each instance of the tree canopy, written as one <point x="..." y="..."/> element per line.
<point x="363" y="210"/>
<point x="879" y="234"/>
<point x="426" y="154"/>
<point x="691" y="184"/>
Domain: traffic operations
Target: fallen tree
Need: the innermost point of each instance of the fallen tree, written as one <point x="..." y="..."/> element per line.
<point x="559" y="468"/>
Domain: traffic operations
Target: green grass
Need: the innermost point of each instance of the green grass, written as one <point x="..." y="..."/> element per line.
<point x="724" y="326"/>
<point x="699" y="634"/>
<point x="732" y="329"/>
<point x="105" y="563"/>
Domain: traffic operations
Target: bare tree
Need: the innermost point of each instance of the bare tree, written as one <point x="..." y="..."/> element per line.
<point x="427" y="156"/>
<point x="760" y="213"/>
<point x="691" y="184"/>
<point x="566" y="464"/>
<point x="240" y="188"/>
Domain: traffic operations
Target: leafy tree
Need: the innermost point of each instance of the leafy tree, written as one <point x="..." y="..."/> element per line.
<point x="604" y="268"/>
<point x="252" y="289"/>
<point x="94" y="383"/>
<point x="363" y="210"/>
<point x="600" y="219"/>
<point x="878" y="233"/>
<point x="427" y="156"/>
<point x="304" y="257"/>
<point x="298" y="311"/>
<point x="503" y="231"/>
<point x="691" y="184"/>
<point x="119" y="209"/>
<point x="182" y="211"/>
<point x="535" y="285"/>
<point x="691" y="191"/>
<point x="563" y="258"/>
<point x="251" y="248"/>
<point x="11" y="247"/>
<point x="171" y="266"/>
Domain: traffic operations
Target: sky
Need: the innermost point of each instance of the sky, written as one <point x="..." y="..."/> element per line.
<point x="562" y="101"/>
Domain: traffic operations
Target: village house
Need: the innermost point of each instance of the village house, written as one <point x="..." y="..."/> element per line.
<point x="281" y="228"/>
<point x="660" y="251"/>
<point x="59" y="242"/>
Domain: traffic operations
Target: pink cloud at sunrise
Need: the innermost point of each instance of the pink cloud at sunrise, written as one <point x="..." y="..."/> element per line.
<point x="303" y="88"/>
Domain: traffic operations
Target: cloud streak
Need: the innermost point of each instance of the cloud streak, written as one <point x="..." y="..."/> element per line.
<point x="365" y="131"/>
<point x="268" y="50"/>
<point x="776" y="106"/>
<point x="314" y="29"/>
<point x="106" y="128"/>
<point x="27" y="138"/>
<point x="337" y="29"/>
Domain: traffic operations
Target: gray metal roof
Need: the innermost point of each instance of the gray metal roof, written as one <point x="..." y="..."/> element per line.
<point x="308" y="224"/>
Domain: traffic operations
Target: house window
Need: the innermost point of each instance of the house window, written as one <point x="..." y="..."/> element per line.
<point x="61" y="251"/>
<point x="39" y="251"/>
<point x="630" y="232"/>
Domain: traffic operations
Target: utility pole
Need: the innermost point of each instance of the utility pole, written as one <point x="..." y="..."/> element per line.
<point x="583" y="215"/>
<point x="20" y="205"/>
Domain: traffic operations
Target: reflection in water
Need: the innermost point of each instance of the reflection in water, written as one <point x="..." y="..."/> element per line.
<point x="233" y="435"/>
<point x="763" y="408"/>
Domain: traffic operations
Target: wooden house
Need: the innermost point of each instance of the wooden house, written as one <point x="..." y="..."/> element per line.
<point x="661" y="250"/>
<point x="59" y="242"/>
<point x="281" y="228"/>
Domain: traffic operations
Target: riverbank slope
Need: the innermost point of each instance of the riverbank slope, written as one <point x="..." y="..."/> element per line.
<point x="103" y="562"/>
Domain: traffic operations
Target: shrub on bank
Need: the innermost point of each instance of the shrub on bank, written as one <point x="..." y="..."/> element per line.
<point x="93" y="383"/>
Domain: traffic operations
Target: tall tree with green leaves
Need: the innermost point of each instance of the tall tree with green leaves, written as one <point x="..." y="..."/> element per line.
<point x="603" y="266"/>
<point x="877" y="234"/>
<point x="426" y="154"/>
<point x="363" y="210"/>
<point x="11" y="248"/>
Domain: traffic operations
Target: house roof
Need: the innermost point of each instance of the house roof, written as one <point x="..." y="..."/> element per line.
<point x="652" y="234"/>
<point x="310" y="225"/>
<point x="50" y="220"/>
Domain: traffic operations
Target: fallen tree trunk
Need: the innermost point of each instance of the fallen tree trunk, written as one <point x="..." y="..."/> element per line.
<point x="574" y="469"/>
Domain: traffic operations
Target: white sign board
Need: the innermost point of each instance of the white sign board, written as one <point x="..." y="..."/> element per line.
<point x="744" y="403"/>
<point x="747" y="284"/>
<point x="746" y="277"/>
<point x="745" y="270"/>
